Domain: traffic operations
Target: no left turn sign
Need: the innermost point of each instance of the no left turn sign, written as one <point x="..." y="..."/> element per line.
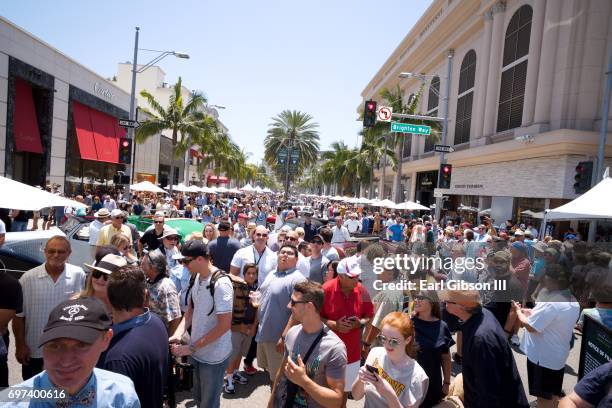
<point x="384" y="114"/>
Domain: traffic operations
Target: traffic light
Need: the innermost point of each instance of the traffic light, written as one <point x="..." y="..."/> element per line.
<point x="125" y="150"/>
<point x="582" y="179"/>
<point x="446" y="171"/>
<point x="369" y="114"/>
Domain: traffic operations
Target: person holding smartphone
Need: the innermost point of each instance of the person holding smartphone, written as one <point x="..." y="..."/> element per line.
<point x="391" y="377"/>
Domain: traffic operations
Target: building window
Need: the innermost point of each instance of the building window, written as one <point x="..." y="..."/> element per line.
<point x="465" y="98"/>
<point x="433" y="100"/>
<point x="514" y="70"/>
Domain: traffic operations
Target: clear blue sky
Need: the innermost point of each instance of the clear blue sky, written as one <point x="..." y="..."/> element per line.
<point x="255" y="57"/>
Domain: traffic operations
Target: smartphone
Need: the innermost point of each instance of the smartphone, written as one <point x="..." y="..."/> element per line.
<point x="373" y="370"/>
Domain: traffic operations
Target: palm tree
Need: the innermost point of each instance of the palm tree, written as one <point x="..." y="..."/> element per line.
<point x="296" y="129"/>
<point x="372" y="151"/>
<point x="227" y="156"/>
<point x="184" y="117"/>
<point x="340" y="167"/>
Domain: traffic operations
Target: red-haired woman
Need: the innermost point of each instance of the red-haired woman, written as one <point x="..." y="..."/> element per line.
<point x="391" y="376"/>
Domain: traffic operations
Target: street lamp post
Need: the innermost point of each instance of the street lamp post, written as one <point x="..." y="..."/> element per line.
<point x="444" y="119"/>
<point x="135" y="71"/>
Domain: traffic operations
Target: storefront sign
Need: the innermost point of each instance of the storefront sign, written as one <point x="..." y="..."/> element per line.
<point x="596" y="348"/>
<point x="145" y="177"/>
<point x="102" y="91"/>
<point x="469" y="186"/>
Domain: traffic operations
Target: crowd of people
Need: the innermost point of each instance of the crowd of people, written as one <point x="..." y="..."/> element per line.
<point x="304" y="304"/>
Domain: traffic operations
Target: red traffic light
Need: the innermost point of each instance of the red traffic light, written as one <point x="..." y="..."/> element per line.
<point x="371" y="106"/>
<point x="446" y="169"/>
<point x="125" y="143"/>
<point x="579" y="169"/>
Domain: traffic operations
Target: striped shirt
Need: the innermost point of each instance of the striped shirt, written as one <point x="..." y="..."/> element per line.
<point x="41" y="295"/>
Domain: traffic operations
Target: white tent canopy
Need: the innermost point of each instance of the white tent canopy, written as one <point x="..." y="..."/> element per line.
<point x="248" y="187"/>
<point x="20" y="196"/>
<point x="222" y="189"/>
<point x="409" y="205"/>
<point x="592" y="205"/>
<point x="193" y="189"/>
<point x="267" y="190"/>
<point x="146" y="186"/>
<point x="384" y="203"/>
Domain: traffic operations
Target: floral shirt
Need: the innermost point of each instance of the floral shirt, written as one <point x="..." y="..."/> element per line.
<point x="164" y="300"/>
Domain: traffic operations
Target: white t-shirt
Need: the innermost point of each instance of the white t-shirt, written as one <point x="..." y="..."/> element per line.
<point x="409" y="381"/>
<point x="549" y="345"/>
<point x="339" y="235"/>
<point x="220" y="349"/>
<point x="352" y="225"/>
<point x="266" y="263"/>
<point x="94" y="230"/>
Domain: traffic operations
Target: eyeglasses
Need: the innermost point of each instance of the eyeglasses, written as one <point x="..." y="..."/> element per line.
<point x="420" y="297"/>
<point x="293" y="239"/>
<point x="172" y="238"/>
<point x="317" y="242"/>
<point x="159" y="222"/>
<point x="186" y="261"/>
<point x="97" y="275"/>
<point x="56" y="252"/>
<point x="390" y="341"/>
<point x="261" y="235"/>
<point x="295" y="302"/>
<point x="118" y="218"/>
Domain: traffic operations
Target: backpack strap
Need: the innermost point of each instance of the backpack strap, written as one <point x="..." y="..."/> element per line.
<point x="216" y="275"/>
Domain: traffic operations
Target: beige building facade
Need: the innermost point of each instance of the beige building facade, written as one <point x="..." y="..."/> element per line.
<point x="526" y="89"/>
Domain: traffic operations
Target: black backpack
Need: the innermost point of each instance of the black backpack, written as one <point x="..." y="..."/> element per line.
<point x="241" y="293"/>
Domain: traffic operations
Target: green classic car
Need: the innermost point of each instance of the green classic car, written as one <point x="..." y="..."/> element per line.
<point x="184" y="226"/>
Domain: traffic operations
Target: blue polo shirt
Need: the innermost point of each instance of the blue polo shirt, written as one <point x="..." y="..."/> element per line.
<point x="104" y="389"/>
<point x="139" y="350"/>
<point x="396" y="232"/>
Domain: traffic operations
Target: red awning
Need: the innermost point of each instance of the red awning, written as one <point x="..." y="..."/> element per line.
<point x="82" y="123"/>
<point x="219" y="180"/>
<point x="25" y="123"/>
<point x="107" y="143"/>
<point x="195" y="153"/>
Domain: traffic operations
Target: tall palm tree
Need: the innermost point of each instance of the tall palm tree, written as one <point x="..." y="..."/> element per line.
<point x="296" y="129"/>
<point x="184" y="117"/>
<point x="340" y="167"/>
<point x="226" y="158"/>
<point x="373" y="150"/>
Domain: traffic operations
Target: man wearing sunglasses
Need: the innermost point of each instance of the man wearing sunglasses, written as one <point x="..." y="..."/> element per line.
<point x="150" y="239"/>
<point x="257" y="253"/>
<point x="319" y="377"/>
<point x="169" y="248"/>
<point x="317" y="262"/>
<point x="116" y="226"/>
<point x="490" y="376"/>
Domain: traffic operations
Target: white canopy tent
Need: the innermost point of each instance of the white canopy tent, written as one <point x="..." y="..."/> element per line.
<point x="193" y="189"/>
<point x="179" y="187"/>
<point x="221" y="189"/>
<point x="248" y="187"/>
<point x="409" y="205"/>
<point x="267" y="190"/>
<point x="592" y="205"/>
<point x="146" y="186"/>
<point x="20" y="196"/>
<point x="384" y="203"/>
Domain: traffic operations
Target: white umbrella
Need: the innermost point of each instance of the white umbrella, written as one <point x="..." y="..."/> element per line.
<point x="193" y="189"/>
<point x="363" y="200"/>
<point x="258" y="189"/>
<point x="409" y="205"/>
<point x="384" y="203"/>
<point x="222" y="189"/>
<point x="234" y="191"/>
<point x="248" y="187"/>
<point x="208" y="190"/>
<point x="146" y="186"/>
<point x="20" y="196"/>
<point x="267" y="190"/>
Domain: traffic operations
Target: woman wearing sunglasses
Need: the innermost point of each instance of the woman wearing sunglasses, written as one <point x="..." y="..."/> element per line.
<point x="391" y="376"/>
<point x="107" y="260"/>
<point x="434" y="339"/>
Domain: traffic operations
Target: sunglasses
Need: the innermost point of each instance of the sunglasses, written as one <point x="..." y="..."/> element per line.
<point x="317" y="242"/>
<point x="293" y="239"/>
<point x="420" y="297"/>
<point x="295" y="302"/>
<point x="159" y="222"/>
<point x="261" y="235"/>
<point x="390" y="341"/>
<point x="172" y="238"/>
<point x="97" y="275"/>
<point x="185" y="261"/>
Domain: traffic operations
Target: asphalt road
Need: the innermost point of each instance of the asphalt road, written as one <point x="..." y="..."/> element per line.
<point x="257" y="391"/>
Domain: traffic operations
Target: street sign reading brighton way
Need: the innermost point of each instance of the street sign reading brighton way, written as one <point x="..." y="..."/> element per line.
<point x="444" y="148"/>
<point x="410" y="128"/>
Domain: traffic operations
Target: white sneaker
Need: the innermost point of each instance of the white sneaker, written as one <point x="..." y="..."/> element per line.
<point x="239" y="378"/>
<point x="228" y="386"/>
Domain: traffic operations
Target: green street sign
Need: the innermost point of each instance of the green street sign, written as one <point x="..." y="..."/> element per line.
<point x="410" y="128"/>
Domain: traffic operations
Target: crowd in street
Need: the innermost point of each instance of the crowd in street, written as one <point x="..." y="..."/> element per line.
<point x="155" y="311"/>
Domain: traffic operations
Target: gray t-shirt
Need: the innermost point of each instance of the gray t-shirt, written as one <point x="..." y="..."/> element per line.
<point x="202" y="323"/>
<point x="328" y="359"/>
<point x="318" y="268"/>
<point x="274" y="314"/>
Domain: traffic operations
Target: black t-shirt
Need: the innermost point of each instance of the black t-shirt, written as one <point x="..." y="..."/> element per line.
<point x="141" y="353"/>
<point x="434" y="339"/>
<point x="596" y="387"/>
<point x="11" y="296"/>
<point x="24" y="216"/>
<point x="222" y="251"/>
<point x="150" y="240"/>
<point x="138" y="209"/>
